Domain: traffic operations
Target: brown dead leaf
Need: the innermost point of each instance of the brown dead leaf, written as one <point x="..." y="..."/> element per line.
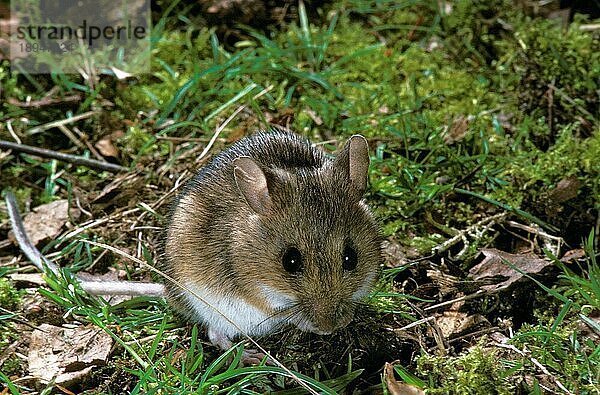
<point x="445" y="282"/>
<point x="566" y="189"/>
<point x="66" y="355"/>
<point x="572" y="256"/>
<point x="494" y="266"/>
<point x="455" y="323"/>
<point x="457" y="131"/>
<point x="47" y="220"/>
<point x="396" y="254"/>
<point x="396" y="388"/>
<point x="106" y="144"/>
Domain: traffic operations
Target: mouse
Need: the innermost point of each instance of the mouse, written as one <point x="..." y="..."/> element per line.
<point x="273" y="232"/>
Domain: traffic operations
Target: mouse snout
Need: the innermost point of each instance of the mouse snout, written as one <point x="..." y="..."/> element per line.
<point x="329" y="317"/>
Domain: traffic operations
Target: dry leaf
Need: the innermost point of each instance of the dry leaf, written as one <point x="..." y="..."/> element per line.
<point x="573" y="255"/>
<point x="396" y="254"/>
<point x="454" y="323"/>
<point x="396" y="388"/>
<point x="47" y="220"/>
<point x="30" y="278"/>
<point x="566" y="189"/>
<point x="66" y="355"/>
<point x="106" y="147"/>
<point x="494" y="266"/>
<point x="457" y="131"/>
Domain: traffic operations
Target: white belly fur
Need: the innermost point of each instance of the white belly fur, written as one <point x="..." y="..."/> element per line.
<point x="219" y="312"/>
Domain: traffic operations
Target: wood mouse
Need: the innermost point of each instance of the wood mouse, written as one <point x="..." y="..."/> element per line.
<point x="273" y="232"/>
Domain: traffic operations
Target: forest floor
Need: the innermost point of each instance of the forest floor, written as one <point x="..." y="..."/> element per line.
<point x="483" y="122"/>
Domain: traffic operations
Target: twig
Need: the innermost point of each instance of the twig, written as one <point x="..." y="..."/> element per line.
<point x="474" y="334"/>
<point x="416" y="323"/>
<point x="45" y="101"/>
<point x="589" y="27"/>
<point x="86" y="141"/>
<point x="543" y="235"/>
<point x="71" y="136"/>
<point x="77" y="160"/>
<point x="486" y="223"/>
<point x="12" y="132"/>
<point x="50" y="125"/>
<point x="462" y="298"/>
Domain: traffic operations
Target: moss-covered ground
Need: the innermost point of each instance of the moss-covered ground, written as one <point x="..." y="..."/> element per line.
<point x="483" y="120"/>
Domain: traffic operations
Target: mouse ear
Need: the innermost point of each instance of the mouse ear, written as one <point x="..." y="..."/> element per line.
<point x="252" y="184"/>
<point x="353" y="162"/>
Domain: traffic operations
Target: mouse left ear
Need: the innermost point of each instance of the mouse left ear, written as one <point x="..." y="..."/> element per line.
<point x="252" y="184"/>
<point x="353" y="162"/>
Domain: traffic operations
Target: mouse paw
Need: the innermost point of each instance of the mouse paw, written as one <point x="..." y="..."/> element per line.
<point x="249" y="357"/>
<point x="252" y="357"/>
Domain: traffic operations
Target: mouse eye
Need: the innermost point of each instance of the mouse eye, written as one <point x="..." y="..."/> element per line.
<point x="349" y="259"/>
<point x="292" y="260"/>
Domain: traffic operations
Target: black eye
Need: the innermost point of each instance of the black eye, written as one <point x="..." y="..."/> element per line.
<point x="349" y="259"/>
<point x="292" y="260"/>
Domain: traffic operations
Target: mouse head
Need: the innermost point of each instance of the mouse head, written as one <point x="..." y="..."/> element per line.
<point x="312" y="247"/>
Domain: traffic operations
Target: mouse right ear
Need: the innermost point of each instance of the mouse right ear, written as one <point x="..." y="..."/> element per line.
<point x="252" y="184"/>
<point x="353" y="162"/>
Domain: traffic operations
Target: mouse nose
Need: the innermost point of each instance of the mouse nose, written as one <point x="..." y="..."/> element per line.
<point x="328" y="317"/>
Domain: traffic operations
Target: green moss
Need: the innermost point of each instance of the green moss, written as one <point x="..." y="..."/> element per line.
<point x="534" y="172"/>
<point x="474" y="372"/>
<point x="9" y="296"/>
<point x="558" y="75"/>
<point x="138" y="141"/>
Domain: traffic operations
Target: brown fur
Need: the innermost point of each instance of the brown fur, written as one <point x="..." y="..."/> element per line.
<point x="216" y="237"/>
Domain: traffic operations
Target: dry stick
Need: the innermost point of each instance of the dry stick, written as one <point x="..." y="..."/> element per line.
<point x="12" y="132"/>
<point x="459" y="299"/>
<point x="77" y="160"/>
<point x="67" y="132"/>
<point x="128" y="288"/>
<point x="416" y="323"/>
<point x="53" y="124"/>
<point x="461" y="235"/>
<point x="45" y="101"/>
